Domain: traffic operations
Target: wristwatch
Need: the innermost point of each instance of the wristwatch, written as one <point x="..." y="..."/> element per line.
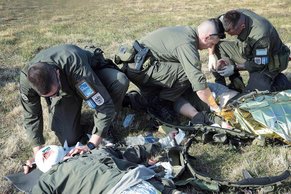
<point x="91" y="145"/>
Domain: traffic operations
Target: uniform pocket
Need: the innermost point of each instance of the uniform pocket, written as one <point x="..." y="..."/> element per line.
<point x="284" y="58"/>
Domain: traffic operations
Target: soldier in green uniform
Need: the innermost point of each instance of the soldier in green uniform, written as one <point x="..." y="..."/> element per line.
<point x="66" y="75"/>
<point x="173" y="65"/>
<point x="258" y="49"/>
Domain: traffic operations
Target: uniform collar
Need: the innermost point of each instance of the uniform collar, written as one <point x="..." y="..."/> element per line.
<point x="60" y="81"/>
<point x="196" y="37"/>
<point x="245" y="32"/>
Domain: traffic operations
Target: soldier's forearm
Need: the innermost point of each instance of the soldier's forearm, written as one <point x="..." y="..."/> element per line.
<point x="211" y="51"/>
<point x="207" y="97"/>
<point x="251" y="66"/>
<point x="95" y="139"/>
<point x="241" y="67"/>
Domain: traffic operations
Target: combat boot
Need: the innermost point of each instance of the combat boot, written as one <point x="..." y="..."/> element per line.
<point x="237" y="84"/>
<point x="134" y="100"/>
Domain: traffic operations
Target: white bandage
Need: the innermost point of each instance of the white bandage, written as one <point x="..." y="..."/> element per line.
<point x="48" y="156"/>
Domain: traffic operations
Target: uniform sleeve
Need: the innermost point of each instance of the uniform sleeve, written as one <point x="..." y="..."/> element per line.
<point x="43" y="187"/>
<point x="139" y="154"/>
<point x="188" y="56"/>
<point x="105" y="110"/>
<point x="32" y="112"/>
<point x="260" y="56"/>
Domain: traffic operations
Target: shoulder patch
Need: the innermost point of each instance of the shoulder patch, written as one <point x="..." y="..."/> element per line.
<point x="98" y="99"/>
<point x="24" y="97"/>
<point x="261" y="52"/>
<point x="85" y="89"/>
<point x="258" y="60"/>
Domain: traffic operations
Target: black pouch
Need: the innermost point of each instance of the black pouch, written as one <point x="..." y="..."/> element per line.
<point x="98" y="61"/>
<point x="284" y="58"/>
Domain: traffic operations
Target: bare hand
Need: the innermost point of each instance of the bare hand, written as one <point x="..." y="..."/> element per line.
<point x="29" y="165"/>
<point x="78" y="150"/>
<point x="212" y="62"/>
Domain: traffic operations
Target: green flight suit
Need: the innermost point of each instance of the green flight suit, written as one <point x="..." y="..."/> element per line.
<point x="260" y="48"/>
<point x="176" y="65"/>
<point x="87" y="173"/>
<point x="96" y="172"/>
<point x="75" y="65"/>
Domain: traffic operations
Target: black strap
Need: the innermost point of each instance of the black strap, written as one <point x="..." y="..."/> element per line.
<point x="203" y="128"/>
<point x="140" y="55"/>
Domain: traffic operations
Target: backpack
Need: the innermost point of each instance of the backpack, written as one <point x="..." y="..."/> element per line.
<point x="98" y="61"/>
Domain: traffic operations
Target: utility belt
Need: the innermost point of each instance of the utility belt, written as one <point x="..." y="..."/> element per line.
<point x="136" y="57"/>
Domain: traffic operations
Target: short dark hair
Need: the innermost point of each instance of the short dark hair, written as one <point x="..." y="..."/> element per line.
<point x="231" y="19"/>
<point x="41" y="75"/>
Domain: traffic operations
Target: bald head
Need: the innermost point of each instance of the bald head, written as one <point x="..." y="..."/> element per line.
<point x="207" y="27"/>
<point x="209" y="33"/>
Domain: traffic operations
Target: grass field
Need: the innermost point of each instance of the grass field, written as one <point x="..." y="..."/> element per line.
<point x="26" y="26"/>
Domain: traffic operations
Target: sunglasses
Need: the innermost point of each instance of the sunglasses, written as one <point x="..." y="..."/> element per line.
<point x="219" y="28"/>
<point x="220" y="35"/>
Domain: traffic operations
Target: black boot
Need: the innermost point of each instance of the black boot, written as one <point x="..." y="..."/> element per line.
<point x="206" y="118"/>
<point x="135" y="101"/>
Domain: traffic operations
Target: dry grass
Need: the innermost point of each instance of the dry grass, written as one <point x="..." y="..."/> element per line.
<point x="28" y="26"/>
